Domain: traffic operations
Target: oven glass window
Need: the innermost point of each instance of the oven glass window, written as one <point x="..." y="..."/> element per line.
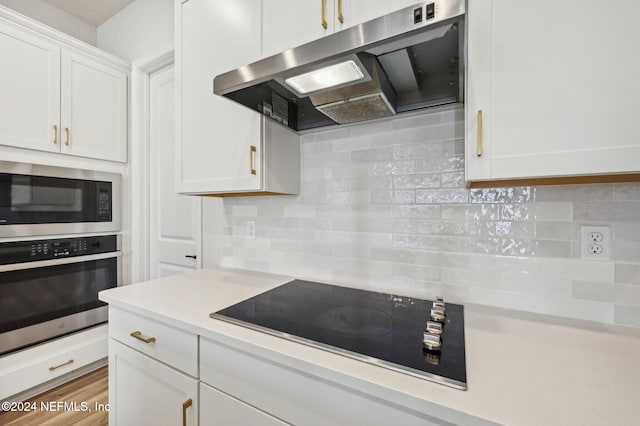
<point x="32" y="296"/>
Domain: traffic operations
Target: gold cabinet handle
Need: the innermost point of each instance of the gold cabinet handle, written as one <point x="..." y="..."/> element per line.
<point x="188" y="403"/>
<point x="323" y="21"/>
<point x="479" y="151"/>
<point x="252" y="150"/>
<point x="55" y="133"/>
<point x="137" y="335"/>
<point x="66" y="129"/>
<point x="61" y="365"/>
<point x="340" y="17"/>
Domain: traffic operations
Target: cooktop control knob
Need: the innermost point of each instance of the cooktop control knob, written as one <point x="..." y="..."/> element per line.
<point x="434" y="327"/>
<point x="437" y="314"/>
<point x="439" y="305"/>
<point x="432" y="358"/>
<point x="432" y="342"/>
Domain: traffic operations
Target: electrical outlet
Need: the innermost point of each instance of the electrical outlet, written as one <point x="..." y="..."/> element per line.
<point x="595" y="249"/>
<point x="595" y="242"/>
<point x="251" y="229"/>
<point x="596" y="237"/>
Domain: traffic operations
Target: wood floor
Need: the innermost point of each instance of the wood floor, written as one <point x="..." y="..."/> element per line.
<point x="85" y="391"/>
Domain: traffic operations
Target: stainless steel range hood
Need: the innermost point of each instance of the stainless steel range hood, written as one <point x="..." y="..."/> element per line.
<point x="404" y="61"/>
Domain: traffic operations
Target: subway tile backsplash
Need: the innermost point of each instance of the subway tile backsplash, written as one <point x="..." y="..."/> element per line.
<point x="383" y="206"/>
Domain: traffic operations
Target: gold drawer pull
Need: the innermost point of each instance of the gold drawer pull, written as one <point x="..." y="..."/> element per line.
<point x="188" y="403"/>
<point x="137" y="335"/>
<point x="55" y="133"/>
<point x="479" y="133"/>
<point x="66" y="129"/>
<point x="340" y="17"/>
<point x="252" y="151"/>
<point x="61" y="365"/>
<point x="323" y="21"/>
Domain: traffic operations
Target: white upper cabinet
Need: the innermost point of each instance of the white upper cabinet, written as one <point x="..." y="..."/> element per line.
<point x="59" y="99"/>
<point x="94" y="108"/>
<point x="557" y="86"/>
<point x="30" y="88"/>
<point x="287" y="24"/>
<point x="223" y="147"/>
<point x="216" y="134"/>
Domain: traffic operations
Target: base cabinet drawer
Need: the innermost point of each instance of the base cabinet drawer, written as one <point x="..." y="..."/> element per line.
<point x="46" y="362"/>
<point x="172" y="346"/>
<point x="219" y="409"/>
<point x="295" y="396"/>
<point x="143" y="391"/>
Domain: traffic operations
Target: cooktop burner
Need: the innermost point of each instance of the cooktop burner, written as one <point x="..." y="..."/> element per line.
<point x="356" y="321"/>
<point x="418" y="337"/>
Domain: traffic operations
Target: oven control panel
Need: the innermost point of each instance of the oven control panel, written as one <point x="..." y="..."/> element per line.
<point x="28" y="251"/>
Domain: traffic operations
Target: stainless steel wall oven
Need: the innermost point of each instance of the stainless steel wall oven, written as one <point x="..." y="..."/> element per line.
<point x="49" y="287"/>
<point x="45" y="200"/>
<point x="51" y="269"/>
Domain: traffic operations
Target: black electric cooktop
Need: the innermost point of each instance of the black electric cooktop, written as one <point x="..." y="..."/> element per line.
<point x="378" y="328"/>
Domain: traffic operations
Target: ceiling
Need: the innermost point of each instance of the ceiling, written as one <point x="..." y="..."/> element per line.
<point x="93" y="12"/>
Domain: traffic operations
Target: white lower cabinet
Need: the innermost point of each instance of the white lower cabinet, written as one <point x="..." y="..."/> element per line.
<point x="167" y="344"/>
<point x="296" y="396"/>
<point x="236" y="384"/>
<point x="219" y="409"/>
<point x="153" y="371"/>
<point x="32" y="371"/>
<point x="143" y="391"/>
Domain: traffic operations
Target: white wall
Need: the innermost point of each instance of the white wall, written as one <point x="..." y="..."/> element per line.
<point x="138" y="30"/>
<point x="53" y="17"/>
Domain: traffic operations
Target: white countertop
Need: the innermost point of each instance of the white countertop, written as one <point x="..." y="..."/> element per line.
<point x="522" y="369"/>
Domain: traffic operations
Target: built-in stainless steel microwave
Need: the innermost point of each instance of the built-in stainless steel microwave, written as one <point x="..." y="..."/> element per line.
<point x="45" y="200"/>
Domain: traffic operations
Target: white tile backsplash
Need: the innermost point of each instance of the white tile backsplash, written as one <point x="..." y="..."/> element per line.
<point x="627" y="273"/>
<point x="383" y="206"/>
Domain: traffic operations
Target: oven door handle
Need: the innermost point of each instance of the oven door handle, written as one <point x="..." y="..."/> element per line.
<point x="59" y="261"/>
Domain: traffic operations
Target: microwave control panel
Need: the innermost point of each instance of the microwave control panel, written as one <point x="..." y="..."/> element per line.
<point x="103" y="201"/>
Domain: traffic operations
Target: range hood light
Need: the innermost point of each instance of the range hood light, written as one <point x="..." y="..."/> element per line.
<point x="325" y="78"/>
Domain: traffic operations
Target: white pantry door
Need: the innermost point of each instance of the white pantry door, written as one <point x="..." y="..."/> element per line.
<point x="174" y="219"/>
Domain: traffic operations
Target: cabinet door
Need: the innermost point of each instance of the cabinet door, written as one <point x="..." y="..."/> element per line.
<point x="559" y="93"/>
<point x="94" y="108"/>
<point x="30" y="91"/>
<point x="142" y="391"/>
<point x="287" y="24"/>
<point x="215" y="135"/>
<point x="219" y="409"/>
